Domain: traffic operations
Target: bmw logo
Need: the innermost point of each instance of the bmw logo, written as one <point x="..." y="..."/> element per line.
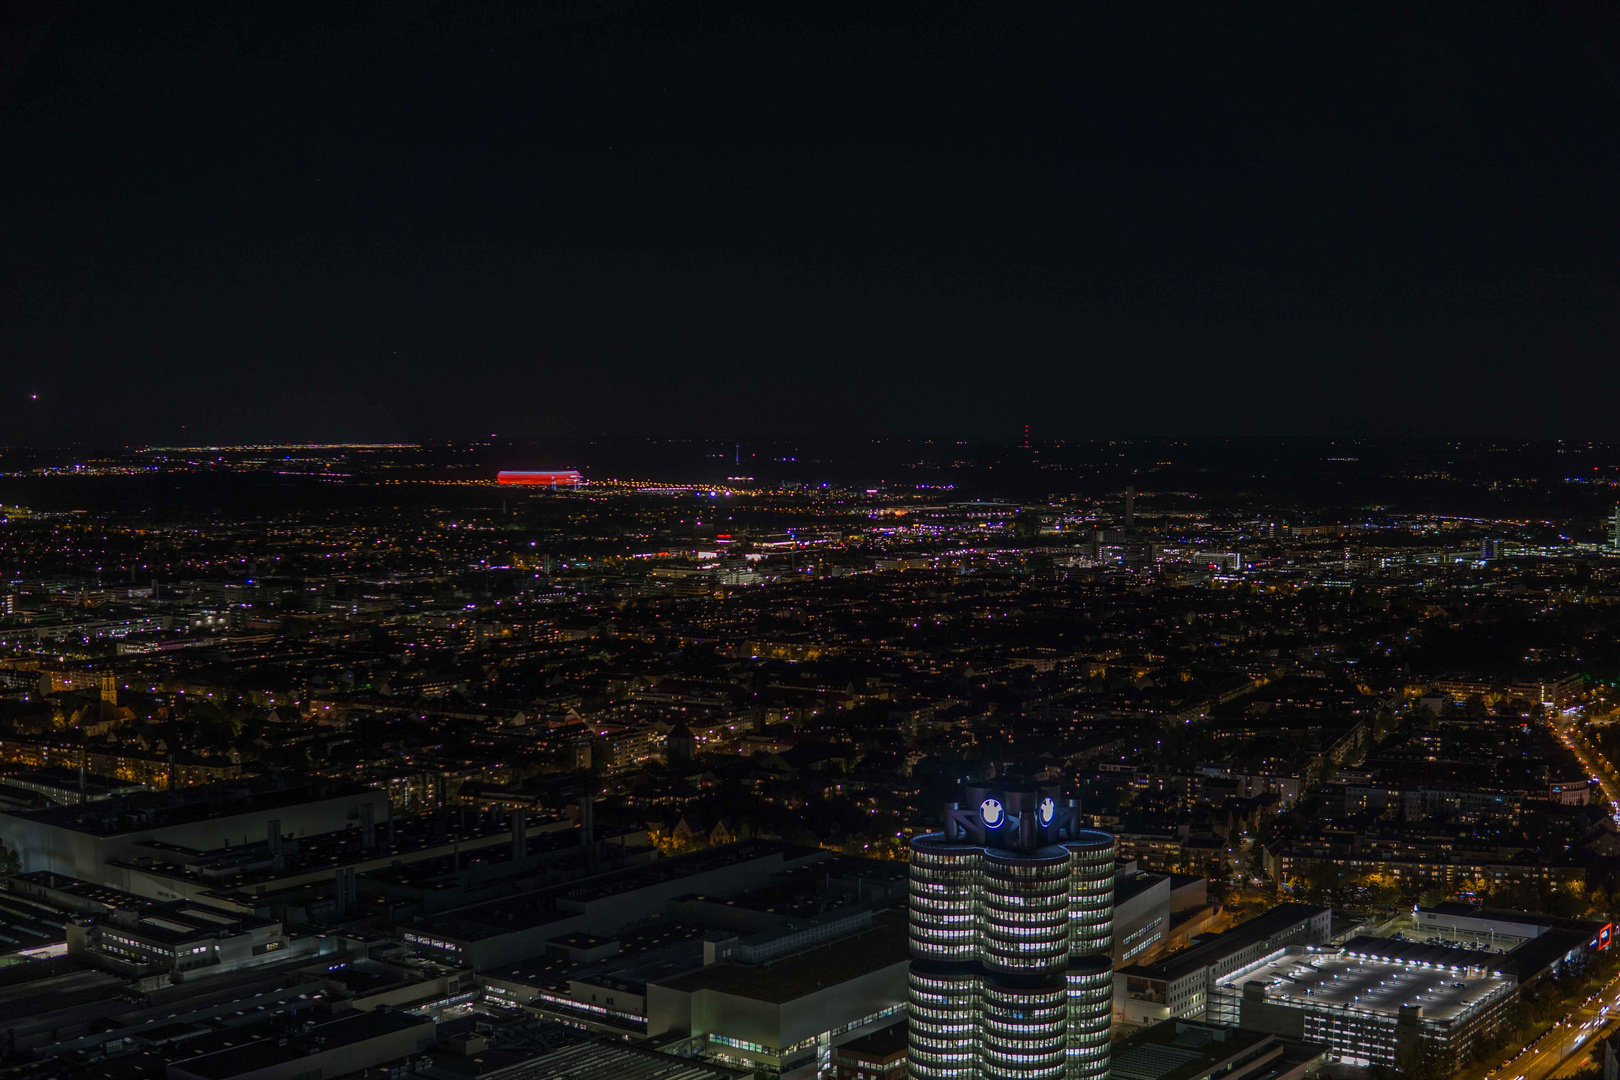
<point x="990" y="810"/>
<point x="1048" y="810"/>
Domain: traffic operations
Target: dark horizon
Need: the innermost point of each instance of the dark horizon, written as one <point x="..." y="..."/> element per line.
<point x="413" y="223"/>
<point x="1574" y="484"/>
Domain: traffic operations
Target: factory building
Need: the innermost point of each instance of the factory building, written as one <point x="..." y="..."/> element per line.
<point x="1373" y="998"/>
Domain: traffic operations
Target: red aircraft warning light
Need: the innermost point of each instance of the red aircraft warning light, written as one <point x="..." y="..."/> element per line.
<point x="548" y="478"/>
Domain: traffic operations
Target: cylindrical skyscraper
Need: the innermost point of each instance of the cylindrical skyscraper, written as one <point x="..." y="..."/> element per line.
<point x="1011" y="931"/>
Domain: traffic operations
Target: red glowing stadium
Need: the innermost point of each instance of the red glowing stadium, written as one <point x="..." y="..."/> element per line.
<point x="546" y="478"/>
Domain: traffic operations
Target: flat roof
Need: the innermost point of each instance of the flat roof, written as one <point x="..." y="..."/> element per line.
<point x="1535" y="955"/>
<point x="493" y="918"/>
<point x="880" y="1043"/>
<point x="815" y="969"/>
<point x="61" y="982"/>
<point x="697" y="862"/>
<point x="1456" y="909"/>
<point x="1327" y="980"/>
<point x="1419" y="953"/>
<point x="105" y="895"/>
<point x="1526" y="960"/>
<point x="268" y="1052"/>
<point x="1176" y="1050"/>
<point x="1211" y="949"/>
<point x="638" y="950"/>
<point x="621" y="1062"/>
<point x="149" y="811"/>
<point x="1141" y="881"/>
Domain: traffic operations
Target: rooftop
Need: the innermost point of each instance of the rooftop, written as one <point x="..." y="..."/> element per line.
<point x="619" y="1061"/>
<point x="1534" y="956"/>
<point x="1418" y="952"/>
<point x="657" y="950"/>
<point x="148" y="811"/>
<point x="267" y="1053"/>
<point x="1180" y="1051"/>
<point x="1305" y="978"/>
<point x="1126" y="887"/>
<point x="807" y="972"/>
<point x="1212" y="948"/>
<point x="1528" y="919"/>
<point x="530" y="909"/>
<point x="1188" y="1050"/>
<point x="880" y="1044"/>
<point x="178" y="921"/>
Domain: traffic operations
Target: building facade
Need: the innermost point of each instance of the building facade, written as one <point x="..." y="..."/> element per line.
<point x="1179" y="986"/>
<point x="1368" y="1008"/>
<point x="1011" y="931"/>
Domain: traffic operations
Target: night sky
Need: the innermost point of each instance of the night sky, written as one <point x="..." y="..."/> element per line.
<point x="413" y="220"/>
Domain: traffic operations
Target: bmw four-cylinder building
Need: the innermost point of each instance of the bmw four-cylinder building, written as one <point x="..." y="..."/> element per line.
<point x="1011" y="932"/>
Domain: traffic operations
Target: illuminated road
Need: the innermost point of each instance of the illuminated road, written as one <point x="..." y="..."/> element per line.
<point x="1596" y="765"/>
<point x="1566" y="1046"/>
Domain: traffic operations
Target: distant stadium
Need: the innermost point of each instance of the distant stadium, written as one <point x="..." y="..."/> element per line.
<point x="544" y="478"/>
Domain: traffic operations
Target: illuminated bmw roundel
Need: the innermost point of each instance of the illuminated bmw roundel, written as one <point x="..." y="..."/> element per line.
<point x="1048" y="810"/>
<point x="992" y="813"/>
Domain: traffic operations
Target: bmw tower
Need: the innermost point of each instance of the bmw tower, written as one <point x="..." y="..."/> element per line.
<point x="1012" y="910"/>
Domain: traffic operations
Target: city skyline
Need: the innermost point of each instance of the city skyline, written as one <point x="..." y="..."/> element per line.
<point x="707" y="759"/>
<point x="630" y="540"/>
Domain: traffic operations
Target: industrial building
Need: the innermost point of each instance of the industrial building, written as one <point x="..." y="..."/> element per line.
<point x="1498" y="930"/>
<point x="1179" y="986"/>
<point x="172" y="940"/>
<point x="878" y="1056"/>
<point x="618" y="1060"/>
<point x="1364" y="1007"/>
<point x="1190" y="1050"/>
<point x="785" y="1017"/>
<point x="286" y="850"/>
<point x="1152" y="911"/>
<point x="1370" y="998"/>
<point x="515" y="927"/>
<point x="774" y="964"/>
<point x="336" y="1047"/>
<point x="107" y="841"/>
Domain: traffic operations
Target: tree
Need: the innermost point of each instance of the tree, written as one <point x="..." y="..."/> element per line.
<point x="1417" y="1059"/>
<point x="1254" y="859"/>
<point x="1382" y="888"/>
<point x="1322" y="881"/>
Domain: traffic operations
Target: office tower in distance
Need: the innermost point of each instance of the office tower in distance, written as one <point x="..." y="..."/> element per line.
<point x="1614" y="529"/>
<point x="1012" y="910"/>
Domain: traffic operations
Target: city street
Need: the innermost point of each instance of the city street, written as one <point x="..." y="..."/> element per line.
<point x="1563" y="1050"/>
<point x="1596" y="765"/>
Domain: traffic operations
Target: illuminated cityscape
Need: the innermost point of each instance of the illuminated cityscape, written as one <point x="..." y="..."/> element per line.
<point x="731" y="758"/>
<point x="628" y="540"/>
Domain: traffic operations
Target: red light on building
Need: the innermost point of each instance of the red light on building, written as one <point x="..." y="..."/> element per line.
<point x="1605" y="935"/>
<point x="551" y="478"/>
